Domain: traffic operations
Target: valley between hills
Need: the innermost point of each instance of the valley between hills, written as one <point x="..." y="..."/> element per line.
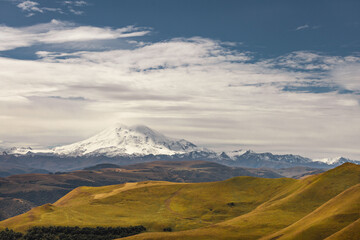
<point x="320" y="206"/>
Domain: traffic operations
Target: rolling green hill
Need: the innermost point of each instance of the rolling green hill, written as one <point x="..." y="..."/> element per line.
<point x="155" y="205"/>
<point x="287" y="207"/>
<point x="329" y="218"/>
<point x="19" y="193"/>
<point x="323" y="205"/>
<point x="349" y="232"/>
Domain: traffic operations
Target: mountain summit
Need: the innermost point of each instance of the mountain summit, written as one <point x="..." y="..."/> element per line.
<point x="123" y="140"/>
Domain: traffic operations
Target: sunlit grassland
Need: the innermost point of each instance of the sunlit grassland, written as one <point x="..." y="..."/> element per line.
<point x="238" y="208"/>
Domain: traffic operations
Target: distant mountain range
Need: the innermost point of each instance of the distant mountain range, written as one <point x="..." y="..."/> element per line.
<point x="122" y="145"/>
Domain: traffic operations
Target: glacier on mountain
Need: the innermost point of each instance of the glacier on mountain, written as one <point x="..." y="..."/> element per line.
<point x="121" y="140"/>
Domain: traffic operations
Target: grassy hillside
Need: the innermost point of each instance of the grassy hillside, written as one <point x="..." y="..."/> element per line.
<point x="331" y="217"/>
<point x="238" y="208"/>
<point x="38" y="189"/>
<point x="352" y="231"/>
<point x="155" y="205"/>
<point x="288" y="206"/>
<point x="13" y="206"/>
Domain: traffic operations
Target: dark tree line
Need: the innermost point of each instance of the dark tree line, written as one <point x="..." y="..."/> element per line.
<point x="72" y="233"/>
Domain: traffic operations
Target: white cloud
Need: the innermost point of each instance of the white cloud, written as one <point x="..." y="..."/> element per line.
<point x="72" y="5"/>
<point x="59" y="10"/>
<point x="347" y="74"/>
<point x="29" y="6"/>
<point x="194" y="88"/>
<point x="302" y="27"/>
<point x="306" y="26"/>
<point x="76" y="12"/>
<point x="33" y="7"/>
<point x="305" y="60"/>
<point x="76" y="3"/>
<point x="60" y="32"/>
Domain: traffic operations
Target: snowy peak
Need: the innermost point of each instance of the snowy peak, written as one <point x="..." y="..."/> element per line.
<point x="17" y="150"/>
<point x="327" y="160"/>
<point x="232" y="155"/>
<point x="123" y="140"/>
<point x="170" y="143"/>
<point x="336" y="160"/>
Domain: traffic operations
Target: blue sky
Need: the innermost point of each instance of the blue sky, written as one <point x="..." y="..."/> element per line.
<point x="280" y="76"/>
<point x="269" y="28"/>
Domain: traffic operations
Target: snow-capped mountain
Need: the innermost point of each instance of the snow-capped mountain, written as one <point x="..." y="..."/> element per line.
<point x="121" y="144"/>
<point x="252" y="159"/>
<point x="232" y="154"/>
<point x="335" y="161"/>
<point x="17" y="150"/>
<point x="120" y="140"/>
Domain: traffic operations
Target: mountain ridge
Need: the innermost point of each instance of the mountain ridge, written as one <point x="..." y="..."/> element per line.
<point x="120" y="144"/>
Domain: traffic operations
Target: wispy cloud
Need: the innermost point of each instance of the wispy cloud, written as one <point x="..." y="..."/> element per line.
<point x="71" y="5"/>
<point x="56" y="32"/>
<point x="76" y="3"/>
<point x="302" y="27"/>
<point x="34" y="7"/>
<point x="76" y="12"/>
<point x="196" y="88"/>
<point x="309" y="61"/>
<point x="52" y="9"/>
<point x="29" y="6"/>
<point x="306" y="26"/>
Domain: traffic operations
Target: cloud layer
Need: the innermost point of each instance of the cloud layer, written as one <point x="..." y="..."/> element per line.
<point x="193" y="88"/>
<point x="61" y="32"/>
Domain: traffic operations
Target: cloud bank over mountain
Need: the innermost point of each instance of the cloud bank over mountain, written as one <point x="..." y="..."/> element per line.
<point x="198" y="88"/>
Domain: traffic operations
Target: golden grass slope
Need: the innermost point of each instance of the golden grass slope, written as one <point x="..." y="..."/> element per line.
<point x="238" y="208"/>
<point x="155" y="205"/>
<point x="331" y="217"/>
<point x="284" y="209"/>
<point x="352" y="231"/>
